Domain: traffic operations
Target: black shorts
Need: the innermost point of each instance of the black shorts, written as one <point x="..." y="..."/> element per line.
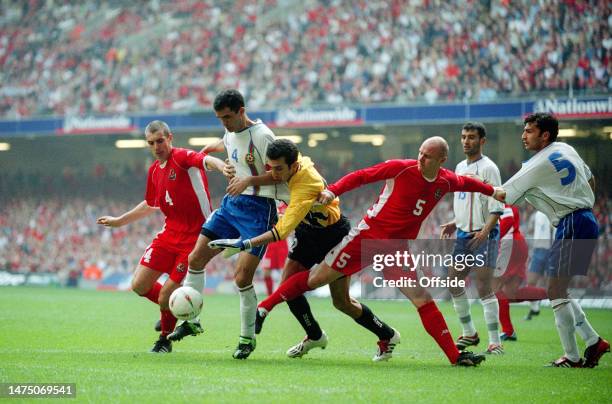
<point x="311" y="244"/>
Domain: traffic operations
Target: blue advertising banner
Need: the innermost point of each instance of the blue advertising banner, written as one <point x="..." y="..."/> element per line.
<point x="567" y="108"/>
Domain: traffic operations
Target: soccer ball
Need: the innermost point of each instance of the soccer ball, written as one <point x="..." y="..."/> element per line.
<point x="186" y="303"/>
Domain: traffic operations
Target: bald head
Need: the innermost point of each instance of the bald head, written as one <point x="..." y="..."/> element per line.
<point x="437" y="146"/>
<point x="432" y="154"/>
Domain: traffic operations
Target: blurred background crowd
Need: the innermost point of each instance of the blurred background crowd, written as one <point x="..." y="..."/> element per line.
<point x="67" y="58"/>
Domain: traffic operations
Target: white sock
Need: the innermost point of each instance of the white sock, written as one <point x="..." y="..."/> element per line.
<point x="490" y="306"/>
<point x="535" y="305"/>
<point x="462" y="308"/>
<point x="584" y="328"/>
<point x="196" y="278"/>
<point x="248" y="308"/>
<point x="564" y="319"/>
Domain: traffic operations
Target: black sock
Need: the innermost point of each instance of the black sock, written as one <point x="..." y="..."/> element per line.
<point x="301" y="310"/>
<point x="374" y="324"/>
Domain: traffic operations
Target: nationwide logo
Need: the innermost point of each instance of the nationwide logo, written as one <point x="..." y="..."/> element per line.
<point x="576" y="108"/>
<point x="323" y="117"/>
<point x="90" y="125"/>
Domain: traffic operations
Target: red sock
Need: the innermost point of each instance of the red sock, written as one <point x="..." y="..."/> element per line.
<point x="435" y="325"/>
<point x="293" y="287"/>
<point x="269" y="284"/>
<point x="504" y="313"/>
<point x="168" y="321"/>
<point x="153" y="294"/>
<point x="530" y="293"/>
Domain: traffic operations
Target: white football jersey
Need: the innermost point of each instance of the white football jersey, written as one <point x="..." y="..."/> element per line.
<point x="542" y="231"/>
<point x="472" y="209"/>
<point x="246" y="150"/>
<point x="555" y="181"/>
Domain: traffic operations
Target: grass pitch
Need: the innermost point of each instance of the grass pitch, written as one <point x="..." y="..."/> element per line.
<point x="99" y="340"/>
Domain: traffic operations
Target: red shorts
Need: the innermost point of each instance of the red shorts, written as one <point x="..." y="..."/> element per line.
<point x="348" y="257"/>
<point x="160" y="257"/>
<point x="516" y="264"/>
<point x="276" y="255"/>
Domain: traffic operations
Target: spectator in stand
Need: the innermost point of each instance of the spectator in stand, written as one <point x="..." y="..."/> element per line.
<point x="88" y="58"/>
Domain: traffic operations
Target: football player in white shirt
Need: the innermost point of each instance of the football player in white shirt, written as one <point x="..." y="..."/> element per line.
<point x="476" y="218"/>
<point x="246" y="215"/>
<point x="557" y="182"/>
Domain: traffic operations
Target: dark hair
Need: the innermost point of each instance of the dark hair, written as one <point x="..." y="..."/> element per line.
<point x="283" y="148"/>
<point x="231" y="99"/>
<point x="546" y="123"/>
<point x="478" y="127"/>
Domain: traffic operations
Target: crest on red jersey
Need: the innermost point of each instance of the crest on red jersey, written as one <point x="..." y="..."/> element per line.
<point x="180" y="268"/>
<point x="172" y="175"/>
<point x="438" y="193"/>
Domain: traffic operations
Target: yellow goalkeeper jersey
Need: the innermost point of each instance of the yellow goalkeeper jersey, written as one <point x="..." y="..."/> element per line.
<point x="304" y="188"/>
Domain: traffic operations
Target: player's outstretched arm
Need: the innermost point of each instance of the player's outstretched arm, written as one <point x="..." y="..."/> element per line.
<point x="138" y="212"/>
<point x="214" y="147"/>
<point x="233" y="246"/>
<point x="214" y="163"/>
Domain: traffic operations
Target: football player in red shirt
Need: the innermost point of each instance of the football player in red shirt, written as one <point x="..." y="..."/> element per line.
<point x="412" y="189"/>
<point x="177" y="186"/>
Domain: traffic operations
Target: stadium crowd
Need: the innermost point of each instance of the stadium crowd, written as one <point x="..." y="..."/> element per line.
<point x="66" y="58"/>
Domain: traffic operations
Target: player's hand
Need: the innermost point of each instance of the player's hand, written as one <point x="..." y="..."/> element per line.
<point x="326" y="196"/>
<point x="228" y="169"/>
<point x="236" y="186"/>
<point x="447" y="230"/>
<point x="499" y="194"/>
<point x="231" y="246"/>
<point x="479" y="238"/>
<point x="108" y="221"/>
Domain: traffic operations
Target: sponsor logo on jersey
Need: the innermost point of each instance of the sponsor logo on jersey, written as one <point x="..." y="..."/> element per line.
<point x="172" y="175"/>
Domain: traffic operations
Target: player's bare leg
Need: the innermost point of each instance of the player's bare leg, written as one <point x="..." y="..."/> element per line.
<point x="267" y="275"/>
<point x="388" y="337"/>
<point x="297" y="284"/>
<point x="195" y="278"/>
<point x="490" y="306"/>
<point x="506" y="290"/>
<point x="533" y="279"/>
<point x="461" y="304"/>
<point x="145" y="284"/>
<point x="315" y="336"/>
<point x="243" y="277"/>
<point x="198" y="258"/>
<point x="435" y="325"/>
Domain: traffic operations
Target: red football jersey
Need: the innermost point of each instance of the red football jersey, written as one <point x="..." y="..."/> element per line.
<point x="180" y="189"/>
<point x="509" y="223"/>
<point x="407" y="197"/>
